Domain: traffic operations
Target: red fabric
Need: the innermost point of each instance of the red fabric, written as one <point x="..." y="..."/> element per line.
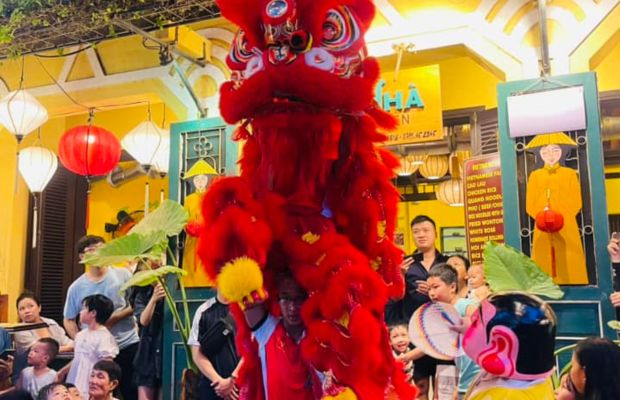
<point x="288" y="375"/>
<point x="315" y="193"/>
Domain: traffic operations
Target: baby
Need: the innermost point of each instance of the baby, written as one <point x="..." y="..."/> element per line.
<point x="478" y="288"/>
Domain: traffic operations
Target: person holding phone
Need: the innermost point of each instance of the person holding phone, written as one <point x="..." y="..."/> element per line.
<point x="415" y="269"/>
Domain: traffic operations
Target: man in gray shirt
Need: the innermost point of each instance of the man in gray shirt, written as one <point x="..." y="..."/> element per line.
<point x="106" y="281"/>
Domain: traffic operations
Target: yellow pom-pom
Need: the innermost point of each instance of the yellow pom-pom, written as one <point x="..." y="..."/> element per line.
<point x="346" y="394"/>
<point x="239" y="278"/>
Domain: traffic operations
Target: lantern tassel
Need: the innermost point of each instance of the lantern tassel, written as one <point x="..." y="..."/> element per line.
<point x="161" y="196"/>
<point x="86" y="223"/>
<point x="35" y="220"/>
<point x="553" y="269"/>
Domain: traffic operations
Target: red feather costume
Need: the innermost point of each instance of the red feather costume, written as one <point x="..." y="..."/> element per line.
<point x="314" y="193"/>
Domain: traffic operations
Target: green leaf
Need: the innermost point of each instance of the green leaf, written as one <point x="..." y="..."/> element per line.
<point x="148" y="277"/>
<point x="507" y="269"/>
<point x="614" y="325"/>
<point x="169" y="217"/>
<point x="125" y="249"/>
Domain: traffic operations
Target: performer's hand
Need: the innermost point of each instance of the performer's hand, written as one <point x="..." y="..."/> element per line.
<point x="223" y="387"/>
<point x="194" y="228"/>
<point x="614" y="248"/>
<point x="615" y="299"/>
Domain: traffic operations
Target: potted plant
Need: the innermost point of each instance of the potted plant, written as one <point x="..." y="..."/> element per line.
<point x="146" y="243"/>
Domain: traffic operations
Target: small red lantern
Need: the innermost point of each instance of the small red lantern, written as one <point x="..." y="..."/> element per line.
<point x="549" y="221"/>
<point x="89" y="150"/>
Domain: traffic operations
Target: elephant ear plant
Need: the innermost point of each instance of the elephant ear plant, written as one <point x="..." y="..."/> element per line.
<point x="145" y="244"/>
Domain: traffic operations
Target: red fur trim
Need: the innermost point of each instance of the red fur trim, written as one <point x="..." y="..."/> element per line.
<point x="247" y="15"/>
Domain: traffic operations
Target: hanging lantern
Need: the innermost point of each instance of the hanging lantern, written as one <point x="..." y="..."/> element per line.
<point x="410" y="163"/>
<point x="549" y="221"/>
<point x="434" y="167"/>
<point x="21" y="113"/>
<point x="161" y="162"/>
<point x="89" y="150"/>
<point x="37" y="166"/>
<point x="450" y="192"/>
<point x="144" y="141"/>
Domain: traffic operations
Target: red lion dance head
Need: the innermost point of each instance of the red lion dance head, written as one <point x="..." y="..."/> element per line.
<point x="315" y="196"/>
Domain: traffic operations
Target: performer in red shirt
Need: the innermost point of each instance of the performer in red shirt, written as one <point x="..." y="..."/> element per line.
<point x="285" y="375"/>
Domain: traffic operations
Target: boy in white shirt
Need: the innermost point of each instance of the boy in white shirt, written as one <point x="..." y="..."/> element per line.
<point x="38" y="374"/>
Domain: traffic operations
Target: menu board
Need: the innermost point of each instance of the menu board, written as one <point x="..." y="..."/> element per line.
<point x="484" y="210"/>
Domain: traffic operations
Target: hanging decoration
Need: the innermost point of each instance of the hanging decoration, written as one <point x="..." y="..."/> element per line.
<point x="410" y="163"/>
<point x="450" y="192"/>
<point x="21" y="113"/>
<point x="434" y="167"/>
<point x="89" y="150"/>
<point x="144" y="142"/>
<point x="37" y="166"/>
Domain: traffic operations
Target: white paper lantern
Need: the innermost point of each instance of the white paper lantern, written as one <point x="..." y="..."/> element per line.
<point x="434" y="167"/>
<point x="451" y="192"/>
<point x="21" y="113"/>
<point x="37" y="166"/>
<point x="144" y="141"/>
<point x="161" y="163"/>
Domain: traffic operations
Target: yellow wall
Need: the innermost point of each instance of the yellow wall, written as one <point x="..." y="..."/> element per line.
<point x="444" y="216"/>
<point x="465" y="83"/>
<point x="105" y="201"/>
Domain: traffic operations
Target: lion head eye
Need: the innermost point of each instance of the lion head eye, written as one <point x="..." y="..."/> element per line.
<point x="340" y="30"/>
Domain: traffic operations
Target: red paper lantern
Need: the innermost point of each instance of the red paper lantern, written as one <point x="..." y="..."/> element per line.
<point x="549" y="221"/>
<point x="89" y="150"/>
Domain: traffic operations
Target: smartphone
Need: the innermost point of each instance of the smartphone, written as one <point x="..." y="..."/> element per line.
<point x="615" y="235"/>
<point x="6" y="353"/>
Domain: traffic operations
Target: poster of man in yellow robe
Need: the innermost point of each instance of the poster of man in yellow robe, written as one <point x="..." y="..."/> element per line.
<point x="199" y="173"/>
<point x="556" y="188"/>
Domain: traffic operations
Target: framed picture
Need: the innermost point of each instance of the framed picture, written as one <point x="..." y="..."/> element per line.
<point x="453" y="241"/>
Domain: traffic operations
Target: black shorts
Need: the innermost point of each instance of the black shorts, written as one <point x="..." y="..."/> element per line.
<point x="426" y="367"/>
<point x="150" y="381"/>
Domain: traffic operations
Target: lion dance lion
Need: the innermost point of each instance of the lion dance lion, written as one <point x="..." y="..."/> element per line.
<point x="315" y="193"/>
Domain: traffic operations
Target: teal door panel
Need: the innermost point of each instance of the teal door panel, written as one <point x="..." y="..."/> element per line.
<point x="208" y="139"/>
<point x="585" y="309"/>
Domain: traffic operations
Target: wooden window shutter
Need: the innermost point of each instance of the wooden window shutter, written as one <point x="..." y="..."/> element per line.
<point x="485" y="136"/>
<point x="53" y="265"/>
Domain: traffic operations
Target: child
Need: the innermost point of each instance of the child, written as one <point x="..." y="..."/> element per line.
<point x="74" y="393"/>
<point x="41" y="354"/>
<point x="442" y="282"/>
<point x="479" y="290"/>
<point x="92" y="344"/>
<point x="399" y="339"/>
<point x="53" y="391"/>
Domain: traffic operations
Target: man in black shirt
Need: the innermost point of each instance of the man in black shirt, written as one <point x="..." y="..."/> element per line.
<point x="416" y="291"/>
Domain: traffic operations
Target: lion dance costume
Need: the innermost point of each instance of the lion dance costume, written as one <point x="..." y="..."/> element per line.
<point x="314" y="195"/>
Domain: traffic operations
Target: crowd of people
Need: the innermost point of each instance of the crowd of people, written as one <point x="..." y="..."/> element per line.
<point x="117" y="340"/>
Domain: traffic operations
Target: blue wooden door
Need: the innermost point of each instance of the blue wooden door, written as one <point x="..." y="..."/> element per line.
<point x="207" y="139"/>
<point x="585" y="309"/>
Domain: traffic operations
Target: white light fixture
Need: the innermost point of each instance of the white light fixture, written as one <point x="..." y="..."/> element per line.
<point x="409" y="164"/>
<point x="37" y="166"/>
<point x="450" y="192"/>
<point x="434" y="167"/>
<point x="21" y="113"/>
<point x="143" y="142"/>
<point x="161" y="162"/>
